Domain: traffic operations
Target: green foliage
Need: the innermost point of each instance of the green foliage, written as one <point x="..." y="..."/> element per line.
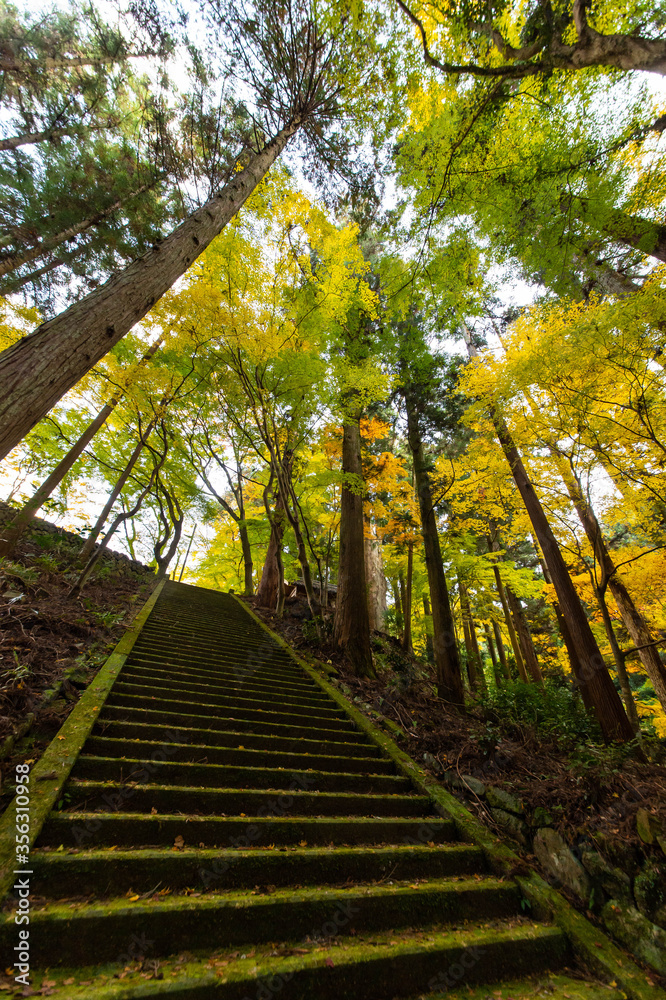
<point x="553" y="713"/>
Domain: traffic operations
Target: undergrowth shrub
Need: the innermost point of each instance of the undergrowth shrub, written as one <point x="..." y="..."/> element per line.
<point x="551" y="712"/>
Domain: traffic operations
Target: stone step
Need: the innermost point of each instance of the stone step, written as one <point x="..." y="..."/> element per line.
<point x="61" y="874"/>
<point x="375" y="967"/>
<point x="187" y="696"/>
<point x="66" y="935"/>
<point x="258" y="726"/>
<point x="138" y="830"/>
<point x="166" y="772"/>
<point x="120" y="699"/>
<point x="225" y="679"/>
<point x="108" y="796"/>
<point x="103" y="746"/>
<point x="214" y="695"/>
<point x="232" y="738"/>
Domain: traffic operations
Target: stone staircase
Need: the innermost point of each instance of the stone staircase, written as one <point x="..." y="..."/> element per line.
<point x="227" y="832"/>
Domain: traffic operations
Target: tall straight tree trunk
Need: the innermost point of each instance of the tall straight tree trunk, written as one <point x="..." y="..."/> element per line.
<point x="23" y="518"/>
<point x="596" y="687"/>
<point x="561" y="620"/>
<point x="632" y="619"/>
<point x="351" y="629"/>
<point x="524" y="637"/>
<point x="477" y="678"/>
<point x="427" y="615"/>
<point x="375" y="580"/>
<point x="397" y="603"/>
<point x="513" y="638"/>
<point x="501" y="652"/>
<point x="620" y="665"/>
<point x="447" y="661"/>
<point x="272" y="580"/>
<point x="15" y="529"/>
<point x="89" y="544"/>
<point x="38" y="370"/>
<point x="407" y="603"/>
<point x="493" y="655"/>
<point x="248" y="568"/>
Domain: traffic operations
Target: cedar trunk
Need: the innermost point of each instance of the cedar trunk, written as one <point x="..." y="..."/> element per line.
<point x="351" y="632"/>
<point x="447" y="661"/>
<point x="593" y="678"/>
<point x="38" y="370"/>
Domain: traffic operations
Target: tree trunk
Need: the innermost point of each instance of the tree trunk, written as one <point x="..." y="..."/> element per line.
<point x="351" y="630"/>
<point x="89" y="544"/>
<point x="246" y="549"/>
<point x="493" y="655"/>
<point x="513" y="638"/>
<point x="427" y="615"/>
<point x="633" y="620"/>
<point x="477" y="678"/>
<point x="447" y="661"/>
<point x="376" y="583"/>
<point x="13" y="531"/>
<point x="397" y="603"/>
<point x="620" y="666"/>
<point x="561" y="621"/>
<point x="271" y="577"/>
<point x="524" y="637"/>
<point x="38" y="370"/>
<point x="407" y="603"/>
<point x="595" y="683"/>
<point x="501" y="652"/>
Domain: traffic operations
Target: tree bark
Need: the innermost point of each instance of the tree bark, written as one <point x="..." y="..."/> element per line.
<point x="501" y="652"/>
<point x="13" y="531"/>
<point x="397" y="603"/>
<point x="29" y="138"/>
<point x="37" y="371"/>
<point x="89" y="543"/>
<point x="248" y="568"/>
<point x="524" y="637"/>
<point x="596" y="687"/>
<point x="633" y="620"/>
<point x="351" y="629"/>
<point x="272" y="577"/>
<point x="447" y="660"/>
<point x="376" y="582"/>
<point x="620" y="666"/>
<point x="427" y="614"/>
<point x="407" y="603"/>
<point x="493" y="655"/>
<point x="513" y="638"/>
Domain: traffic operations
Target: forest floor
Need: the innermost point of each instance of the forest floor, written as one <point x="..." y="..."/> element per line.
<point x="51" y="645"/>
<point x="591" y="791"/>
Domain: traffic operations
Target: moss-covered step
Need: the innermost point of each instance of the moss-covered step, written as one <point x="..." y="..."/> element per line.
<point x="232" y="711"/>
<point x="173" y="688"/>
<point x="94" y="796"/>
<point x="214" y="695"/>
<point x="553" y="986"/>
<point x="237" y="667"/>
<point x="128" y="769"/>
<point x="132" y="829"/>
<point x="226" y="680"/>
<point x="232" y="738"/>
<point x="62" y="874"/>
<point x="375" y="968"/>
<point x="177" y="719"/>
<point x="190" y="752"/>
<point x="66" y="935"/>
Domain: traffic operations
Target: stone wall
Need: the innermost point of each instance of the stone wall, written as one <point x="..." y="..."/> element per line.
<point x="621" y="884"/>
<point x="110" y="557"/>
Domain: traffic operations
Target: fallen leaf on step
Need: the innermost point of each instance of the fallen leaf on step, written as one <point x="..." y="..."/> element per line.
<point x="330" y="963"/>
<point x="153" y="811"/>
<point x="179" y="842"/>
